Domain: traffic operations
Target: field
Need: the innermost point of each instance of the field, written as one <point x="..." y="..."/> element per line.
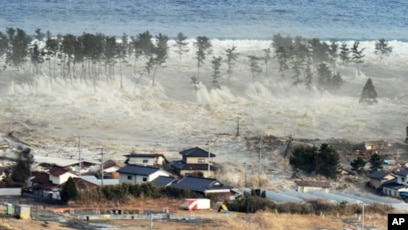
<point x="212" y="220"/>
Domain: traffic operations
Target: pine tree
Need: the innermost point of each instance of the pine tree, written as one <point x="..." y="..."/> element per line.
<point x="22" y="169"/>
<point x="344" y="53"/>
<point x="181" y="44"/>
<point x="216" y="64"/>
<point x="232" y="56"/>
<point x="69" y="191"/>
<point x="369" y="94"/>
<point x="357" y="55"/>
<point x="382" y="49"/>
<point x="254" y="66"/>
<point x="358" y="164"/>
<point x="203" y="45"/>
<point x="376" y="162"/>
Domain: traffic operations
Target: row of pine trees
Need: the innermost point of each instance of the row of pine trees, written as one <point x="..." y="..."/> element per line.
<point x="92" y="57"/>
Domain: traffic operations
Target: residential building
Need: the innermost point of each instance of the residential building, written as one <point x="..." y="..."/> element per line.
<point x="378" y="178"/>
<point x="205" y="186"/>
<point x="195" y="161"/>
<point x="154" y="160"/>
<point x="139" y="174"/>
<point x="58" y="175"/>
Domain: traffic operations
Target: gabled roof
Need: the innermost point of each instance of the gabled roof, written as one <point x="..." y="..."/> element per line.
<point x="41" y="178"/>
<point x="318" y="184"/>
<point x="196" y="152"/>
<point x="111" y="163"/>
<point x="138" y="170"/>
<point x="164" y="180"/>
<point x="379" y="175"/>
<point x="200" y="184"/>
<point x="403" y="172"/>
<point x="57" y="171"/>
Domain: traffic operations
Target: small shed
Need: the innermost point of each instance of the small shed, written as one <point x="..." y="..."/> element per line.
<point x="22" y="211"/>
<point x="309" y="186"/>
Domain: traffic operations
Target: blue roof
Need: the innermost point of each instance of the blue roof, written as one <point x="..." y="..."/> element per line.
<point x="196" y="152"/>
<point x="199" y="184"/>
<point x="138" y="170"/>
<point x="378" y="175"/>
<point x="402" y="172"/>
<point x="163" y="180"/>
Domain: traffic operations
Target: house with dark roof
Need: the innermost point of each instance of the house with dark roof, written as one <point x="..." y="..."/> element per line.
<point x="310" y="186"/>
<point x="378" y="178"/>
<point x="164" y="180"/>
<point x="205" y="186"/>
<point x="59" y="175"/>
<point x="139" y="174"/>
<point x="195" y="161"/>
<point x="393" y="188"/>
<point x="155" y="160"/>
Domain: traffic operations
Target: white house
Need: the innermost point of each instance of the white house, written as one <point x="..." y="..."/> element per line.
<point x="60" y="175"/>
<point x="139" y="174"/>
<point x="155" y="160"/>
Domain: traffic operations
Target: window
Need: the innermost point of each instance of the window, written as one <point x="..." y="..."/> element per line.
<point x="402" y="179"/>
<point x="129" y="177"/>
<point x="145" y="161"/>
<point x="145" y="179"/>
<point x="201" y="160"/>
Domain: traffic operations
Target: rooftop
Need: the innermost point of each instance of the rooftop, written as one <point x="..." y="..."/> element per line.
<point x="196" y="152"/>
<point x="138" y="170"/>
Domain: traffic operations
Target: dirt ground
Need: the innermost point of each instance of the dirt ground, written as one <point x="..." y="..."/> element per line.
<point x="211" y="220"/>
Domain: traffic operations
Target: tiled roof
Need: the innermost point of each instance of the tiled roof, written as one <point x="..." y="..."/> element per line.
<point x="319" y="184"/>
<point x="379" y="175"/>
<point x="200" y="184"/>
<point x="137" y="170"/>
<point x="196" y="152"/>
<point x="393" y="184"/>
<point x="146" y="155"/>
<point x="163" y="180"/>
<point x="58" y="171"/>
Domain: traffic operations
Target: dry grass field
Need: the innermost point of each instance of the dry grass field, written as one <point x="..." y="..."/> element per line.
<point x="212" y="220"/>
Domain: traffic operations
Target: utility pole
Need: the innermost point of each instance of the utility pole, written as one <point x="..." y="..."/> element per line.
<point x="260" y="162"/>
<point x="79" y="154"/>
<point x="237" y="127"/>
<point x="209" y="159"/>
<point x="245" y="168"/>
<point x="102" y="166"/>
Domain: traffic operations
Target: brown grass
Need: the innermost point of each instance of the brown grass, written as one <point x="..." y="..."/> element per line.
<point x="211" y="219"/>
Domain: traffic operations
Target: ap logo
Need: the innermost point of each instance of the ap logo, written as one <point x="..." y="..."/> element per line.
<point x="397" y="221"/>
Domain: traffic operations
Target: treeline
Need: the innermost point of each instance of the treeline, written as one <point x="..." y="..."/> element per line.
<point x="92" y="57"/>
<point x="120" y="193"/>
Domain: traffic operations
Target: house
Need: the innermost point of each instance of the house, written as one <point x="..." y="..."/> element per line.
<point x="378" y="178"/>
<point x="310" y="186"/>
<point x="139" y="174"/>
<point x="195" y="161"/>
<point x="75" y="165"/>
<point x="205" y="186"/>
<point x="111" y="166"/>
<point x="164" y="180"/>
<point x="393" y="188"/>
<point x="97" y="181"/>
<point x="402" y="177"/>
<point x="59" y="175"/>
<point x="155" y="160"/>
<point x="41" y="186"/>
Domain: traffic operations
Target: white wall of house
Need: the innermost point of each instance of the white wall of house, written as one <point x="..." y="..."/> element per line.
<point x="402" y="180"/>
<point x="146" y="161"/>
<point x="197" y="160"/>
<point x="136" y="179"/>
<point x="311" y="189"/>
<point x="61" y="178"/>
<point x="393" y="192"/>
